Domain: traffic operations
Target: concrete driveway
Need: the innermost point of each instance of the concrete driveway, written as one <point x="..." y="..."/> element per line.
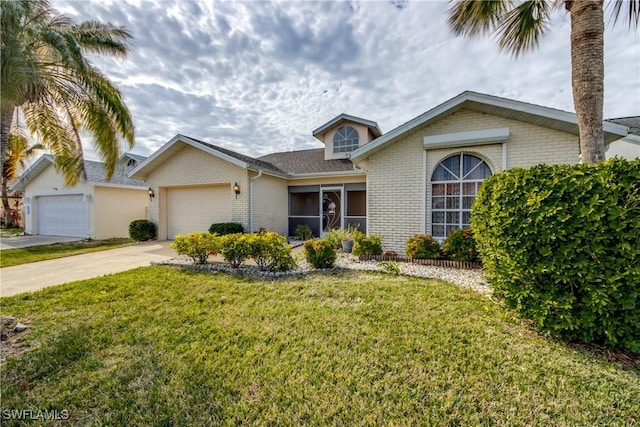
<point x="39" y="275"/>
<point x="27" y="241"/>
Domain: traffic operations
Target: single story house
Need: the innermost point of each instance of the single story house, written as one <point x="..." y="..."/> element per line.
<point x="421" y="177"/>
<point x="96" y="208"/>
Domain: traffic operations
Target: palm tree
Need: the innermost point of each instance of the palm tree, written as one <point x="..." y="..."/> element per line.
<point x="18" y="153"/>
<point x="519" y="26"/>
<point x="47" y="77"/>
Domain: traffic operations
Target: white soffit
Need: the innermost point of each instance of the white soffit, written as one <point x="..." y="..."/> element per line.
<point x="474" y="137"/>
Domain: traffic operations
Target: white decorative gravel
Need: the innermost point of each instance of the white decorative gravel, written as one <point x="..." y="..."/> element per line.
<point x="470" y="279"/>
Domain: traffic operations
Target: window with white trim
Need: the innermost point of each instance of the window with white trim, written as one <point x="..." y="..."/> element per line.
<point x="345" y="140"/>
<point x="454" y="185"/>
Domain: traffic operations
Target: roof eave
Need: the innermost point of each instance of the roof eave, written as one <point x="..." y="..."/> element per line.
<point x="31" y="173"/>
<point x="611" y="131"/>
<point x="373" y="126"/>
<point x="326" y="174"/>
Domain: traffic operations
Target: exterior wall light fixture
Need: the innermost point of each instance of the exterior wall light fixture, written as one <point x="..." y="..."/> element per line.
<point x="151" y="194"/>
<point x="236" y="189"/>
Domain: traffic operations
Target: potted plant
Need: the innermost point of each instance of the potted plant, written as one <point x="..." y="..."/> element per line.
<point x="347" y="238"/>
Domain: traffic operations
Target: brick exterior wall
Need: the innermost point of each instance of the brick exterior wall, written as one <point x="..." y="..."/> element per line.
<point x="270" y="209"/>
<point x="396" y="190"/>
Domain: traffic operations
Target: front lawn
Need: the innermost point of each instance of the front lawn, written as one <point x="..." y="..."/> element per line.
<point x="11" y="257"/>
<point x="10" y="232"/>
<point x="160" y="346"/>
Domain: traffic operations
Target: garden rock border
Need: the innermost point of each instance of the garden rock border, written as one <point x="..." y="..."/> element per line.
<point x="470" y="278"/>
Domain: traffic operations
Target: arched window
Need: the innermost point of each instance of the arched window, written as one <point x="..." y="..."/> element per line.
<point x="454" y="185"/>
<point x="345" y="140"/>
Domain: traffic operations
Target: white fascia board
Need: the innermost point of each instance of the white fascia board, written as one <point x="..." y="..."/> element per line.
<point x="326" y="174"/>
<point x="123" y="186"/>
<point x="462" y="139"/>
<point x="267" y="172"/>
<point x="369" y="123"/>
<point x="30" y="174"/>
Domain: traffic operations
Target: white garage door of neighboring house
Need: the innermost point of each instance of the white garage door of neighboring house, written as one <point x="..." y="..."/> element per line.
<point x="196" y="208"/>
<point x="66" y="215"/>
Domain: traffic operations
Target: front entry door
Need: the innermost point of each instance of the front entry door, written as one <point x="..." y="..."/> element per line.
<point x="331" y="209"/>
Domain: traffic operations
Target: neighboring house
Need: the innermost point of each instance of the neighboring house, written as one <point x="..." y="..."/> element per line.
<point x="95" y="208"/>
<point x="628" y="147"/>
<point x="421" y="177"/>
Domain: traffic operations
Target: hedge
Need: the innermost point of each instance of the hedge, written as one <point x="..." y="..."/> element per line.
<point x="224" y="228"/>
<point x="142" y="230"/>
<point x="561" y="244"/>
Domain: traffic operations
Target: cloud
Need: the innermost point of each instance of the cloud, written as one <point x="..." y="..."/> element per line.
<point x="258" y="77"/>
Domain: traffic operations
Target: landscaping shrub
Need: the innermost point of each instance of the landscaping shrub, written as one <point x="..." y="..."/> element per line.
<point x="367" y="245"/>
<point x="303" y="232"/>
<point x="235" y="248"/>
<point x="422" y="246"/>
<point x="271" y="252"/>
<point x="320" y="253"/>
<point x="460" y="245"/>
<point x="196" y="245"/>
<point x="224" y="228"/>
<point x="142" y="230"/>
<point x="561" y="244"/>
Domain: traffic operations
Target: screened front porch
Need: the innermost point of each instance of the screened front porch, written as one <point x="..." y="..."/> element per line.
<point x="327" y="207"/>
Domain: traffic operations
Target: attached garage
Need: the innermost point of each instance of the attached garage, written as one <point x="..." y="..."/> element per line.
<point x="192" y="209"/>
<point x="64" y="215"/>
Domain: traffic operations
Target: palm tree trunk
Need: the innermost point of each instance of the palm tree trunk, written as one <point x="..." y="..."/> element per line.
<point x="6" y="208"/>
<point x="587" y="75"/>
<point x="5" y="128"/>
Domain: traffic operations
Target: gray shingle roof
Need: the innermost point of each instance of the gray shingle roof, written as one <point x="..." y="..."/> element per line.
<point x="96" y="173"/>
<point x="257" y="163"/>
<point x="307" y="161"/>
<point x="632" y="122"/>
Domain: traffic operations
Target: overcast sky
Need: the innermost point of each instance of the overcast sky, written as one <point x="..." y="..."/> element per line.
<point x="259" y="77"/>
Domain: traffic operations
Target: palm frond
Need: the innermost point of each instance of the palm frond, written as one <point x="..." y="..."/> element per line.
<point x="470" y="18"/>
<point x="106" y="39"/>
<point x="523" y="26"/>
<point x="46" y="73"/>
<point x="630" y="13"/>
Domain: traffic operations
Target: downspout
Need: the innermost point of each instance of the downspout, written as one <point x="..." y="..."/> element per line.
<point x="251" y="199"/>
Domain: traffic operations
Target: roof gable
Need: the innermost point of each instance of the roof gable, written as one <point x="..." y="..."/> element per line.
<point x="493" y="105"/>
<point x="177" y="142"/>
<point x="342" y="118"/>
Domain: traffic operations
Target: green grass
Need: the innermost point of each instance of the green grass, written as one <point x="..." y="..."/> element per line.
<point x="160" y="346"/>
<point x="11" y="257"/>
<point x="10" y="232"/>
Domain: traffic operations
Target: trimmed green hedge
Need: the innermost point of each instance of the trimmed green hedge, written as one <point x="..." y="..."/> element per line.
<point x="561" y="244"/>
<point x="142" y="230"/>
<point x="224" y="228"/>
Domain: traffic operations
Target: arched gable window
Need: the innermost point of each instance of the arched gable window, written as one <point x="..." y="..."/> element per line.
<point x="454" y="185"/>
<point x="345" y="140"/>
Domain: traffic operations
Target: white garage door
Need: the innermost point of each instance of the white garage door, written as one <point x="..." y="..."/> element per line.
<point x="66" y="215"/>
<point x="196" y="208"/>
